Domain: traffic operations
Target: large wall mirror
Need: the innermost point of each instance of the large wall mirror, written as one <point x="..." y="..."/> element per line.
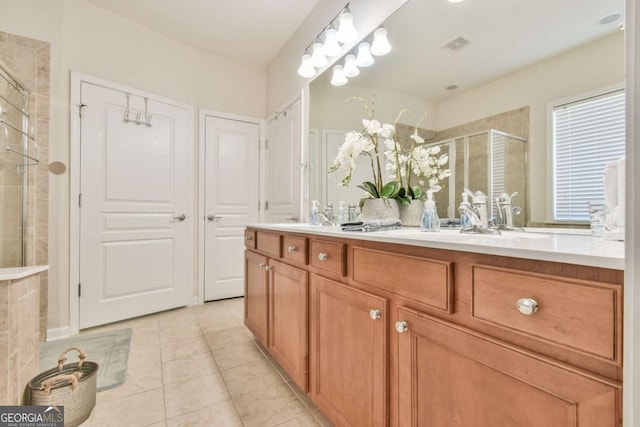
<point x="489" y="102"/>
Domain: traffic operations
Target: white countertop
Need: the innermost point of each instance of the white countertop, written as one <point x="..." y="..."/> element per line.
<point x="557" y="245"/>
<point x="15" y="273"/>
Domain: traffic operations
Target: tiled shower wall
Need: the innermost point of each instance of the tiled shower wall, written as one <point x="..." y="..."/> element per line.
<point x="29" y="61"/>
<point x="514" y="122"/>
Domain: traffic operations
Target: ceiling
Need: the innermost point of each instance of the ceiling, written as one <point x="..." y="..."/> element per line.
<point x="251" y="31"/>
<point x="505" y="36"/>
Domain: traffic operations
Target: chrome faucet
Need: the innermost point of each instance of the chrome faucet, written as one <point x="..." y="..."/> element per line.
<point x="326" y="218"/>
<point x="477" y="214"/>
<point x="506" y="212"/>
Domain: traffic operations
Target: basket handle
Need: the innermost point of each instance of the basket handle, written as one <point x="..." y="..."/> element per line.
<point x="72" y="378"/>
<point x="61" y="359"/>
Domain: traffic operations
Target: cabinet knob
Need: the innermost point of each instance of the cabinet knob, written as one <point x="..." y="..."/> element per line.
<point x="291" y="249"/>
<point x="213" y="217"/>
<point x="262" y="264"/>
<point x="322" y="256"/>
<point x="268" y="267"/>
<point x="527" y="306"/>
<point x="375" y="314"/>
<point x="402" y="327"/>
<point x="180" y="217"/>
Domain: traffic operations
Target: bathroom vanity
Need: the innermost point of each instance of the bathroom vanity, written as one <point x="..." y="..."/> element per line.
<point x="405" y="328"/>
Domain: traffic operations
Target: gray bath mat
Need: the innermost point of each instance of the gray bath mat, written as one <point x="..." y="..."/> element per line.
<point x="110" y="350"/>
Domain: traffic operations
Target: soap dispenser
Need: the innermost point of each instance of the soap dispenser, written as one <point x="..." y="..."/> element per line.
<point x="465" y="221"/>
<point x="430" y="220"/>
<point x="341" y="213"/>
<point x="314" y="218"/>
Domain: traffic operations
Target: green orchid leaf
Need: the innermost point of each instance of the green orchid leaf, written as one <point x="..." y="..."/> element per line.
<point x="370" y="188"/>
<point x="416" y="192"/>
<point x="390" y="190"/>
<point x="406" y="200"/>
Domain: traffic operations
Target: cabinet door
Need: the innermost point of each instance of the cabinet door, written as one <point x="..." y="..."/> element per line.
<point x="288" y="320"/>
<point x="256" y="296"/>
<point x="451" y="376"/>
<point x="348" y="354"/>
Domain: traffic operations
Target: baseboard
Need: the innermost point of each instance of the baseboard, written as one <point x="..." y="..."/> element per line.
<point x="58" y="333"/>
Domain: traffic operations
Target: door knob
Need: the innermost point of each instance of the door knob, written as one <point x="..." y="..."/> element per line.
<point x="213" y="216"/>
<point x="180" y="217"/>
<point x="527" y="306"/>
<point x="402" y="327"/>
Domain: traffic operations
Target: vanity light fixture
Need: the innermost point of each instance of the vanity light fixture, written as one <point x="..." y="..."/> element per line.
<point x="306" y="68"/>
<point x="331" y="44"/>
<point x="333" y="40"/>
<point x="347" y="33"/>
<point x="364" y="58"/>
<point x="456" y="1"/>
<point x="338" y="78"/>
<point x="380" y="45"/>
<point x="318" y="58"/>
<point x="350" y="67"/>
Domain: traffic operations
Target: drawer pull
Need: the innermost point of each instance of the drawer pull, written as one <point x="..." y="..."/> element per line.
<point x="375" y="314"/>
<point x="402" y="327"/>
<point x="322" y="256"/>
<point x="291" y="249"/>
<point x="527" y="306"/>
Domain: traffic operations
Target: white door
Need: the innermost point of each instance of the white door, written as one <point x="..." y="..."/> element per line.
<point x="284" y="166"/>
<point x="136" y="252"/>
<point x="232" y="180"/>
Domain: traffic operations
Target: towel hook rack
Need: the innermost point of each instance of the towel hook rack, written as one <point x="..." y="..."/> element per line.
<point x="140" y="119"/>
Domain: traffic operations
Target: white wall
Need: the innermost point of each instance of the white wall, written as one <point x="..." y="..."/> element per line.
<point x="283" y="81"/>
<point x="594" y="66"/>
<point x="94" y="41"/>
<point x="330" y="111"/>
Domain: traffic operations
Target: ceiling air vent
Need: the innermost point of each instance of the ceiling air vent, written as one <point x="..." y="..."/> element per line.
<point x="457" y="43"/>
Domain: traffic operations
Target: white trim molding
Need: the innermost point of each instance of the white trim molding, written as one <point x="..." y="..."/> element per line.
<point x="631" y="339"/>
<point x="54" y="334"/>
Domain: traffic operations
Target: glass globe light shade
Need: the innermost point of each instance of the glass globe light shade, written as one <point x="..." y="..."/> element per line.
<point x="380" y="45"/>
<point x="338" y="78"/>
<point x="306" y="69"/>
<point x="364" y="58"/>
<point x="331" y="45"/>
<point x="347" y="33"/>
<point x="318" y="58"/>
<point x="350" y="67"/>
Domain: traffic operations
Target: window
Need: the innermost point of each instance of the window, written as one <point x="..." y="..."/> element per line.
<point x="587" y="134"/>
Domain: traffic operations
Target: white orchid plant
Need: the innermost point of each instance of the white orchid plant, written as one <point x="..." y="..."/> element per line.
<point x="402" y="162"/>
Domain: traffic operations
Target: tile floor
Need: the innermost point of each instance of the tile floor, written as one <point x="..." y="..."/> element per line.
<point x="199" y="366"/>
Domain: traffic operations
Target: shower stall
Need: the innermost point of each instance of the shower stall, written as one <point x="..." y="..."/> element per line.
<point x="490" y="161"/>
<point x="19" y="152"/>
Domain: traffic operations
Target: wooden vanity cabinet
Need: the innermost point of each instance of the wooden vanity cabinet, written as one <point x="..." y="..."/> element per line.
<point x="256" y="296"/>
<point x="349" y="354"/>
<point x="450" y="375"/>
<point x="392" y="335"/>
<point x="276" y="300"/>
<point x="288" y="320"/>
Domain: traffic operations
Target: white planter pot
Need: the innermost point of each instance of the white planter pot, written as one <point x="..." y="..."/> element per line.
<point x="411" y="215"/>
<point x="380" y="209"/>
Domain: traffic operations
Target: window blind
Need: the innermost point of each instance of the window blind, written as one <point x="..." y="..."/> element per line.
<point x="587" y="134"/>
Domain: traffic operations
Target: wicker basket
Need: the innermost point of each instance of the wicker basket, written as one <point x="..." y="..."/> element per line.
<point x="72" y="386"/>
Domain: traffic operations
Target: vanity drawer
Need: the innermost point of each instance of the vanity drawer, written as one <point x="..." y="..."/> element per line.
<point x="269" y="243"/>
<point x="329" y="256"/>
<point x="294" y="249"/>
<point x="582" y="315"/>
<point x="250" y="239"/>
<point x="427" y="281"/>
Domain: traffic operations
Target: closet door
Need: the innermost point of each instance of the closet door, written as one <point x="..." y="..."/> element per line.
<point x="232" y="182"/>
<point x="136" y="225"/>
<point x="284" y="171"/>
